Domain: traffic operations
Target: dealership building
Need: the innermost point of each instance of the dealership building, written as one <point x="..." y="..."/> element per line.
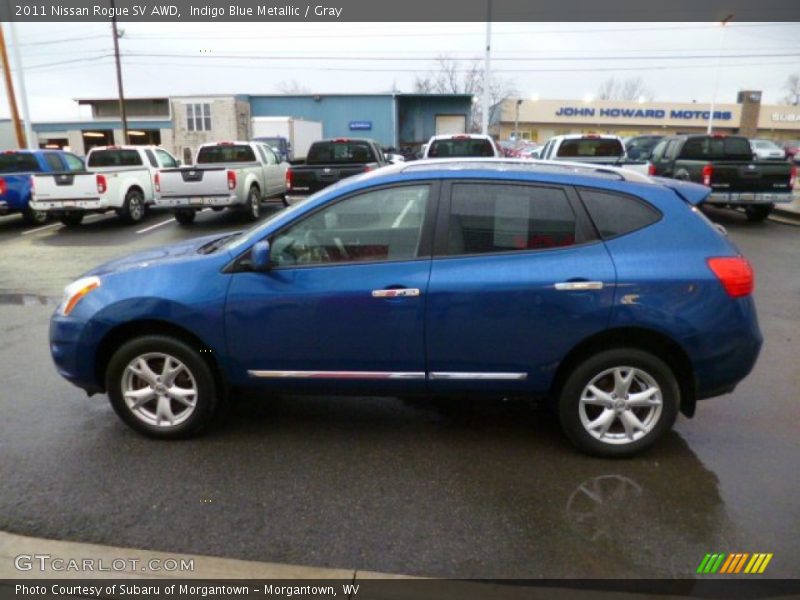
<point x="182" y="123"/>
<point x="538" y="120"/>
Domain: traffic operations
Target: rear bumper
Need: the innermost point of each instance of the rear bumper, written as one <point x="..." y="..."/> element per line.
<point x="70" y="205"/>
<point x="294" y="198"/>
<point x="747" y="198"/>
<point x="198" y="201"/>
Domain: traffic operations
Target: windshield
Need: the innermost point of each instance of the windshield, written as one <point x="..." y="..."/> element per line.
<point x="339" y="152"/>
<point x="765" y="144"/>
<point x="14" y="162"/>
<point x="588" y="147"/>
<point x="460" y="148"/>
<point x="225" y="153"/>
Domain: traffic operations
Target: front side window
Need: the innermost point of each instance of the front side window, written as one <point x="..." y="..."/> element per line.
<point x="53" y="162"/>
<point x="73" y="162"/>
<point x="487" y="218"/>
<point x="166" y="159"/>
<point x="380" y="225"/>
<point x="198" y="116"/>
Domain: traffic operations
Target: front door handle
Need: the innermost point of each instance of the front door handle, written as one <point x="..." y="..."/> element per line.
<point x="396" y="293"/>
<point x="577" y="286"/>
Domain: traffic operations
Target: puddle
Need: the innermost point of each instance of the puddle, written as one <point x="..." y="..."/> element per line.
<point x="29" y="299"/>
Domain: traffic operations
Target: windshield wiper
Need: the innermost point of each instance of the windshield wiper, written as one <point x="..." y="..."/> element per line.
<point x="215" y="245"/>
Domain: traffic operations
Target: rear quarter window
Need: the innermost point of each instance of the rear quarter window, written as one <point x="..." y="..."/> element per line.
<point x="616" y="214"/>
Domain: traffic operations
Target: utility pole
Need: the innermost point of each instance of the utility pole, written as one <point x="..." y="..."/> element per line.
<point x="722" y="25"/>
<point x="516" y="120"/>
<point x="23" y="93"/>
<point x="122" y="113"/>
<point x="487" y="70"/>
<point x="12" y="99"/>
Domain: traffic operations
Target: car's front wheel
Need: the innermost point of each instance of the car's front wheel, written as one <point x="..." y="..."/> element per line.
<point x="161" y="387"/>
<point x="618" y="402"/>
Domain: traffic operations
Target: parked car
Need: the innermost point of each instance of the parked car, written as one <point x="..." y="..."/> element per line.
<point x="119" y="178"/>
<point x="767" y="150"/>
<point x="598" y="288"/>
<point x="330" y="161"/>
<point x="725" y="164"/>
<point x="462" y="145"/>
<point x="16" y="168"/>
<point x="591" y="148"/>
<point x="237" y="175"/>
<point x="640" y="147"/>
<point x="791" y="148"/>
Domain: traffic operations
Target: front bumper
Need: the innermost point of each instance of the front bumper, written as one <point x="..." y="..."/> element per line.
<point x="748" y="198"/>
<point x="70" y="205"/>
<point x="72" y="357"/>
<point x="198" y="201"/>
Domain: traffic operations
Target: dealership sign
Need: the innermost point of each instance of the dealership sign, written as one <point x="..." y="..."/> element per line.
<point x="642" y="113"/>
<point x="788" y="117"/>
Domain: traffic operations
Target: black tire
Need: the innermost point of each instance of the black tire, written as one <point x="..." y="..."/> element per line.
<point x="252" y="208"/>
<point x="285" y="200"/>
<point x="756" y="214"/>
<point x="34" y="217"/>
<point x="133" y="209"/>
<point x="569" y="401"/>
<point x="71" y="219"/>
<point x="207" y="402"/>
<point x="185" y="216"/>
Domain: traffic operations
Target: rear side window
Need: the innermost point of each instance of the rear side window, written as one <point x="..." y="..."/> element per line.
<point x="225" y="154"/>
<point x="115" y="158"/>
<point x="717" y="148"/>
<point x="460" y="147"/>
<point x="339" y="152"/>
<point x="587" y="147"/>
<point x="488" y="218"/>
<point x="15" y="162"/>
<point x="617" y="214"/>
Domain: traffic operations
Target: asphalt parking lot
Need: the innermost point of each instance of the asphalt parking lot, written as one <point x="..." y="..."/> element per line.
<point x="480" y="490"/>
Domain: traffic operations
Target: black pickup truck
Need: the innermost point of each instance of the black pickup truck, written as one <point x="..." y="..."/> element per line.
<point x="330" y="161"/>
<point x="725" y="163"/>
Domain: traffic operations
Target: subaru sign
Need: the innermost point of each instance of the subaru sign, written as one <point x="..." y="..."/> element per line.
<point x="360" y="125"/>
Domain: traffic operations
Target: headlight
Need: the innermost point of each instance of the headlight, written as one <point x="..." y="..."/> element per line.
<point x="75" y="291"/>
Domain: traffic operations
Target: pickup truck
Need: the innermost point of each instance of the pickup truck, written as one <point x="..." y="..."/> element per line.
<point x="16" y="168"/>
<point x="330" y="161"/>
<point x="234" y="175"/>
<point x="592" y="148"/>
<point x="119" y="178"/>
<point x="725" y="164"/>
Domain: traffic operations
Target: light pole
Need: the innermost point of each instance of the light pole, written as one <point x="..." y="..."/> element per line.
<point x="722" y="24"/>
<point x="487" y="70"/>
<point x="516" y="121"/>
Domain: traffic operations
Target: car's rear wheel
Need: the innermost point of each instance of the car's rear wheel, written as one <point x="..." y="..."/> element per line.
<point x="185" y="216"/>
<point x="34" y="217"/>
<point x="161" y="387"/>
<point x="758" y="213"/>
<point x="71" y="219"/>
<point x="253" y="206"/>
<point x="133" y="209"/>
<point x="618" y="402"/>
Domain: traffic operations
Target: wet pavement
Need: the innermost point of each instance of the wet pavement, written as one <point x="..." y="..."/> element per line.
<point x="457" y="488"/>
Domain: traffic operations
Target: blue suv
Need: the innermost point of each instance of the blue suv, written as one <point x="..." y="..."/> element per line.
<point x="602" y="289"/>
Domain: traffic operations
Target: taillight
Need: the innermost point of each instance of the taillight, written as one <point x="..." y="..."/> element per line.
<point x="734" y="273"/>
<point x="4" y="186"/>
<point x="792" y="177"/>
<point x="368" y="168"/>
<point x="231" y="180"/>
<point x="708" y="171"/>
<point x="651" y="169"/>
<point x="289" y="179"/>
<point x="102" y="184"/>
<point x="157" y="182"/>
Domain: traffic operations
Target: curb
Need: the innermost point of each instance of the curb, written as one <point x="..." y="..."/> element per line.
<point x="785" y="217"/>
<point x="204" y="567"/>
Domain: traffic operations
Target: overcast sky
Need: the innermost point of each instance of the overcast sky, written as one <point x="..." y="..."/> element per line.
<point x="677" y="61"/>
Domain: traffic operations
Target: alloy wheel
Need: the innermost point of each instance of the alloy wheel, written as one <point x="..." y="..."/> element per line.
<point x="159" y="389"/>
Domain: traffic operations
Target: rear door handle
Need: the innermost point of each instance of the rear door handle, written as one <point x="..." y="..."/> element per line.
<point x="573" y="286"/>
<point x="396" y="293"/>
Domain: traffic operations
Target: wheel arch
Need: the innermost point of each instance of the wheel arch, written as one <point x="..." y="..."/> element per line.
<point x="121" y="334"/>
<point x="647" y="340"/>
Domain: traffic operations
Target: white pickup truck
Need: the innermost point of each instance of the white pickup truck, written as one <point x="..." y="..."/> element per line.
<point x="120" y="178"/>
<point x="226" y="174"/>
<point x="596" y="149"/>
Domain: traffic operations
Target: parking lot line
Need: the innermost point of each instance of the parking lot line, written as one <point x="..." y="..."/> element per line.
<point x="41" y="228"/>
<point x="146" y="229"/>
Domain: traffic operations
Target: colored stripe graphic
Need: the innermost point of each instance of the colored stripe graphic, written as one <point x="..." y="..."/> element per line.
<point x="703" y="563"/>
<point x="735" y="563"/>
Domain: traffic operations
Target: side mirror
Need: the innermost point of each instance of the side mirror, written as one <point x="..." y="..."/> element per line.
<point x="259" y="256"/>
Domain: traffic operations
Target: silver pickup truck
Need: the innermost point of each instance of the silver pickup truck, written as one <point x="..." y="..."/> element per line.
<point x="225" y="175"/>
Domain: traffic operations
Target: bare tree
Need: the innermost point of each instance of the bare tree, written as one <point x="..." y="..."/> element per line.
<point x="292" y="86"/>
<point x="792" y="87"/>
<point x="629" y="89"/>
<point x="450" y="76"/>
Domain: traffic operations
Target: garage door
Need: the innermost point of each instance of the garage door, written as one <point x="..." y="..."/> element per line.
<point x="447" y="124"/>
